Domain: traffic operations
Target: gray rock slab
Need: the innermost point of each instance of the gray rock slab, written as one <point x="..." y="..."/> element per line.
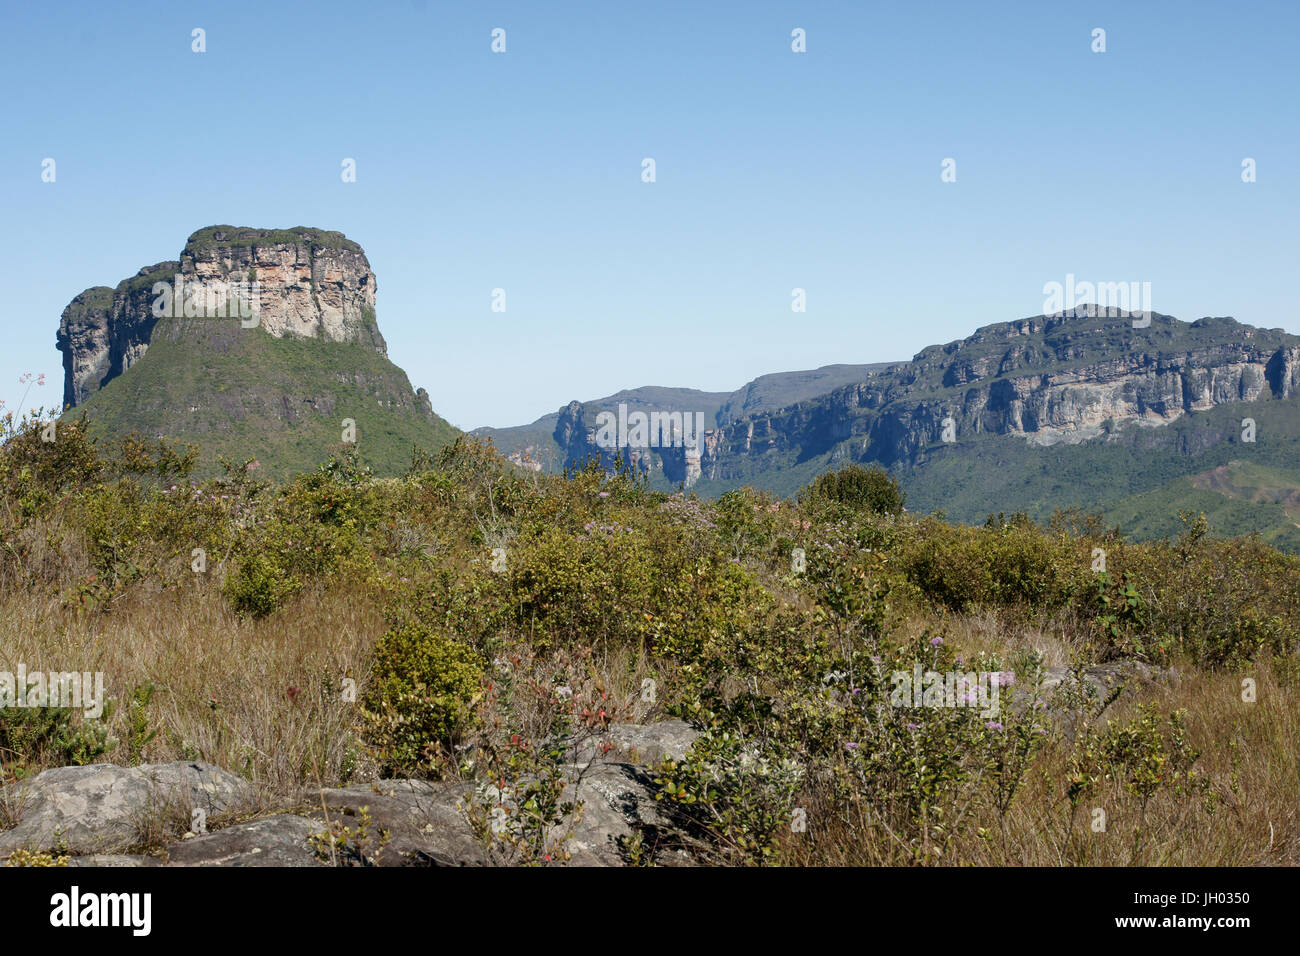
<point x="103" y="808"/>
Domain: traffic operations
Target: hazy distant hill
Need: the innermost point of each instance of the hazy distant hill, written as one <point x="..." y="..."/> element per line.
<point x="537" y="443"/>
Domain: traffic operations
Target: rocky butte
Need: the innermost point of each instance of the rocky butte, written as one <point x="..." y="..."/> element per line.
<point x="313" y="356"/>
<point x="311" y="283"/>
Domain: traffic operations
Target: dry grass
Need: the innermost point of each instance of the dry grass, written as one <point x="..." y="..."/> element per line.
<point x="263" y="698"/>
<point x="995" y="632"/>
<point x="1248" y="816"/>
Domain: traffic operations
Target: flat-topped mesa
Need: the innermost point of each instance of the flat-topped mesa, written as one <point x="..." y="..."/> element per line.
<point x="301" y="281"/>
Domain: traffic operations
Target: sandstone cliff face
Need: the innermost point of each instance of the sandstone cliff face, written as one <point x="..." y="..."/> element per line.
<point x="304" y="282"/>
<point x="577" y="440"/>
<point x="1048" y="379"/>
<point x="310" y="283"/>
<point x="104" y="331"/>
<point x="83" y="340"/>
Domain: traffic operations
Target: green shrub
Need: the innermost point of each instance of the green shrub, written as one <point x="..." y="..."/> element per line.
<point x="751" y="525"/>
<point x="962" y="567"/>
<point x="1138" y="758"/>
<point x="35" y="736"/>
<point x="139" y="732"/>
<point x="1217" y="603"/>
<point x="259" y="586"/>
<point x="870" y="489"/>
<point x="21" y="857"/>
<point x="809" y="722"/>
<point x="320" y="527"/>
<point x="731" y="795"/>
<point x="421" y="696"/>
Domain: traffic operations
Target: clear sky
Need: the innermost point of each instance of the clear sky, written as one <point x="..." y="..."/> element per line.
<point x="774" y="170"/>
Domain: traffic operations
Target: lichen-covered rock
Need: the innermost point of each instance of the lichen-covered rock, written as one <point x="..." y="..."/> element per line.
<point x="114" y="860"/>
<point x="283" y="840"/>
<point x="425" y="822"/>
<point x="96" y="814"/>
<point x="619" y="808"/>
<point x="103" y="808"/>
<point x="1101" y="680"/>
<point x="643" y="744"/>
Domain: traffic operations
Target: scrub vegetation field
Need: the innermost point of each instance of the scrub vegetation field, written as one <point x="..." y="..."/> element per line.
<point x="466" y="620"/>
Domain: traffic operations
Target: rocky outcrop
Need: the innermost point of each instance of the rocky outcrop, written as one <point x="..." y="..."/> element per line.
<point x="83" y="340"/>
<point x="254" y="344"/>
<point x="304" y="282"/>
<point x="103" y="808"/>
<point x="308" y="282"/>
<point x="98" y="814"/>
<point x="103" y="331"/>
<point x="1048" y="379"/>
<point x="281" y="840"/>
<point x="577" y="439"/>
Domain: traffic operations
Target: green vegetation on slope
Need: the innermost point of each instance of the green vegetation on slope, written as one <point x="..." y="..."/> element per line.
<point x="247" y="236"/>
<point x="1137" y="477"/>
<point x="241" y="393"/>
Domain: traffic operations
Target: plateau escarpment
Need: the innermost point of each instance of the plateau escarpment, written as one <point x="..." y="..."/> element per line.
<point x="1047" y="379"/>
<point x="569" y="437"/>
<point x="1106" y="411"/>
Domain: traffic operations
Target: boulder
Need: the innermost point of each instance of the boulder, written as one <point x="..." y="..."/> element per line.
<point x="104" y="808"/>
<point x="425" y="823"/>
<point x="114" y="860"/>
<point x="283" y="840"/>
<point x="99" y="813"/>
<point x="618" y="803"/>
<point x="1102" y="680"/>
<point x="643" y="744"/>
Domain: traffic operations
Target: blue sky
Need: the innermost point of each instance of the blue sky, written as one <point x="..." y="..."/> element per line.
<point x="774" y="170"/>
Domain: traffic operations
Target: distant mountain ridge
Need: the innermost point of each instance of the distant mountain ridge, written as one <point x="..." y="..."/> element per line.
<point x="1048" y="379"/>
<point x="540" y="446"/>
<point x="1134" y="419"/>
